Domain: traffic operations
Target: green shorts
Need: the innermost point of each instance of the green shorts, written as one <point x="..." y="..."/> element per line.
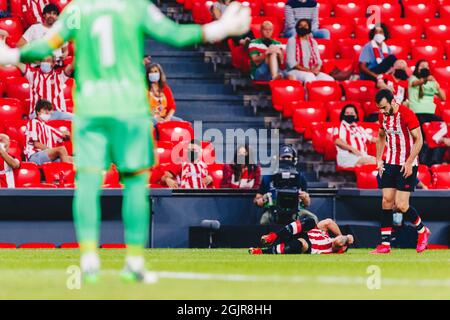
<point x="100" y="141"/>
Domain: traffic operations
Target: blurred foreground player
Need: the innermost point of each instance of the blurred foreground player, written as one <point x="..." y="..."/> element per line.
<point x="305" y="237"/>
<point x="112" y="117"/>
<point x="400" y="133"/>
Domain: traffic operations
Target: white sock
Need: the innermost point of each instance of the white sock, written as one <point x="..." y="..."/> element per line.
<point x="135" y="263"/>
<point x="90" y="261"/>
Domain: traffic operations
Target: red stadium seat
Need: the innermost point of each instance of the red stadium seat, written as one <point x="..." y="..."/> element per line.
<point x="324" y="91"/>
<point x="349" y="9"/>
<point x="430" y="130"/>
<point x="13" y="26"/>
<point x="10" y="109"/>
<point x="371" y="128"/>
<point x="350" y="48"/>
<point x="68" y="88"/>
<point x="15" y="149"/>
<point x="175" y="131"/>
<point x="61" y="125"/>
<point x="61" y="3"/>
<point x="255" y="26"/>
<point x="325" y="9"/>
<point x="441" y="70"/>
<point x="111" y="179"/>
<point x="113" y="246"/>
<point x="2" y="89"/>
<point x="438" y="29"/>
<point x="342" y="64"/>
<point x="164" y="152"/>
<point x="239" y="57"/>
<point x="305" y="114"/>
<point x="441" y="176"/>
<point x="400" y="48"/>
<point x="285" y="91"/>
<point x="370" y="107"/>
<point x="361" y="90"/>
<point x="7" y="246"/>
<point x="7" y="72"/>
<point x="366" y="176"/>
<point x="362" y="29"/>
<point x="208" y="152"/>
<point x="16" y="130"/>
<point x="424" y="175"/>
<point x="37" y="245"/>
<point x="3" y="5"/>
<point x="156" y="174"/>
<point x="216" y="172"/>
<point x="59" y="173"/>
<point x="19" y="88"/>
<point x="444" y="9"/>
<point x="254" y="5"/>
<point x="388" y="8"/>
<point x="335" y="107"/>
<point x="327" y="49"/>
<point x="69" y="245"/>
<point x="27" y="174"/>
<point x="427" y="49"/>
<point x="339" y="28"/>
<point x="274" y="9"/>
<point x="405" y="29"/>
<point x="16" y="7"/>
<point x="201" y="11"/>
<point x="420" y="9"/>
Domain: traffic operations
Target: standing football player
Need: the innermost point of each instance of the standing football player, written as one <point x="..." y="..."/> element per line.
<point x="112" y="115"/>
<point x="400" y="133"/>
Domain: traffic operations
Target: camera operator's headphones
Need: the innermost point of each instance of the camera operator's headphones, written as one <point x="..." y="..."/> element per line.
<point x="286" y="149"/>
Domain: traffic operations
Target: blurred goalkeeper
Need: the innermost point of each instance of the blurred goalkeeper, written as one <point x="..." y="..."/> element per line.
<point x="112" y="117"/>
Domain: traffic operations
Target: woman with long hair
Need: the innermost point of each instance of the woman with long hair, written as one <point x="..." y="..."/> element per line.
<point x="244" y="173"/>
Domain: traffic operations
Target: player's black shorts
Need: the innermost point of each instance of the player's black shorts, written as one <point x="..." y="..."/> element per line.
<point x="393" y="178"/>
<point x="305" y="237"/>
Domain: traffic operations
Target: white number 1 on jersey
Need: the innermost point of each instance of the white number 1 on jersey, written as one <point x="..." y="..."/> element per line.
<point x="103" y="29"/>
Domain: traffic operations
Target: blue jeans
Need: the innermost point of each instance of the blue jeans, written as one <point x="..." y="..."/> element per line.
<point x="262" y="73"/>
<point x="318" y="34"/>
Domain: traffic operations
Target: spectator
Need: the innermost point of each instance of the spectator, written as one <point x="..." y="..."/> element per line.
<point x="351" y="140"/>
<point x="296" y="10"/>
<point x="266" y="55"/>
<point x="303" y="56"/>
<point x="43" y="143"/>
<point x="37" y="31"/>
<point x="219" y="7"/>
<point x="244" y="173"/>
<point x="376" y="57"/>
<point x="7" y="163"/>
<point x="397" y="81"/>
<point x="162" y="103"/>
<point x="47" y="82"/>
<point x="192" y="173"/>
<point x="147" y="60"/>
<point x="32" y="10"/>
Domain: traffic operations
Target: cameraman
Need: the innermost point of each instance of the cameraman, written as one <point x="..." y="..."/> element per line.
<point x="267" y="194"/>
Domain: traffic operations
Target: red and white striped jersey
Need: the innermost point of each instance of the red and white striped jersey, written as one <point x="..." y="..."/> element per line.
<point x="321" y="242"/>
<point x="354" y="135"/>
<point x="399" y="141"/>
<point x="6" y="175"/>
<point x="398" y="88"/>
<point x="191" y="175"/>
<point x="37" y="130"/>
<point x="33" y="10"/>
<point x="48" y="86"/>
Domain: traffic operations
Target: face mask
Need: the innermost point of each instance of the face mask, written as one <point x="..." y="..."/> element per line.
<point x="303" y="31"/>
<point x="267" y="42"/>
<point x="193" y="155"/>
<point x="350" y="119"/>
<point x="379" y="38"/>
<point x="46" y="67"/>
<point x="242" y="159"/>
<point x="424" y="73"/>
<point x="45" y="117"/>
<point x="154" y="76"/>
<point x="400" y="74"/>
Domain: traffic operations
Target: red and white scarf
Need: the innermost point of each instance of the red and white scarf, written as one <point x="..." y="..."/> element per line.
<point x="313" y="61"/>
<point x="376" y="51"/>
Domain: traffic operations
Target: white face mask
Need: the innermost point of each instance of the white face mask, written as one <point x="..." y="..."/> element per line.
<point x="45" y="116"/>
<point x="379" y="38"/>
<point x="154" y="76"/>
<point x="46" y="67"/>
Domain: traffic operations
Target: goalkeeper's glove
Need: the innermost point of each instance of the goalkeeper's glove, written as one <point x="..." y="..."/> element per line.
<point x="9" y="55"/>
<point x="234" y="22"/>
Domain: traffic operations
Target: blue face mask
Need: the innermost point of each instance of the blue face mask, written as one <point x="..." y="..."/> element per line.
<point x="46" y="67"/>
<point x="154" y="76"/>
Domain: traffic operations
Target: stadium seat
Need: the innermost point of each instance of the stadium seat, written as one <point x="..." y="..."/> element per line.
<point x="349" y="9"/>
<point x="208" y="152"/>
<point x="216" y="172"/>
<point x="370" y="107"/>
<point x="111" y="178"/>
<point x="113" y="246"/>
<point x="444" y="9"/>
<point x="360" y="90"/>
<point x="405" y="29"/>
<point x="201" y="11"/>
<point x="7" y="246"/>
<point x="424" y="175"/>
<point x="2" y="89"/>
<point x="19" y="88"/>
<point x="61" y="125"/>
<point x="164" y="152"/>
<point x="15" y="149"/>
<point x="10" y="109"/>
<point x="389" y="9"/>
<point x="69" y="245"/>
<point x="340" y="28"/>
<point x="430" y="130"/>
<point x="59" y="173"/>
<point x="156" y="174"/>
<point x="371" y="128"/>
<point x="362" y="29"/>
<point x="346" y="65"/>
<point x="239" y="57"/>
<point x="3" y="5"/>
<point x="274" y="9"/>
<point x="335" y="107"/>
<point x="61" y="3"/>
<point x="366" y="176"/>
<point x="27" y="174"/>
<point x="68" y="88"/>
<point x="441" y="70"/>
<point x="7" y="72"/>
<point x="420" y="9"/>
<point x="327" y="49"/>
<point x="175" y="131"/>
<point x="255" y="26"/>
<point x="325" y="9"/>
<point x="254" y="5"/>
<point x="284" y="91"/>
<point x="350" y="48"/>
<point x="400" y="48"/>
<point x="324" y="91"/>
<point x="16" y="7"/>
<point x="441" y="176"/>
<point x="427" y="49"/>
<point x="37" y="245"/>
<point x="305" y="114"/>
<point x="438" y="29"/>
<point x="13" y="26"/>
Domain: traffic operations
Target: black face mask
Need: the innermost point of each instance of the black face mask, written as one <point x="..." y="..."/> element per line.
<point x="350" y="119"/>
<point x="193" y="155"/>
<point x="401" y="74"/>
<point x="267" y="42"/>
<point x="287" y="164"/>
<point x="303" y="31"/>
<point x="424" y="73"/>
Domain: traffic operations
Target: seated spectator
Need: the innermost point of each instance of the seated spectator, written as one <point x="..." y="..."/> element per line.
<point x="162" y="103"/>
<point x="219" y="7"/>
<point x="351" y="140"/>
<point x="303" y="56"/>
<point x="244" y="173"/>
<point x="266" y="55"/>
<point x="397" y="81"/>
<point x="191" y="173"/>
<point x="303" y="9"/>
<point x="43" y="143"/>
<point x="47" y="82"/>
<point x="376" y="57"/>
<point x="7" y="163"/>
<point x="37" y="31"/>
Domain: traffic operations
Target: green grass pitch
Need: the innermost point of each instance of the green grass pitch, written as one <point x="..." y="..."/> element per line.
<point x="232" y="274"/>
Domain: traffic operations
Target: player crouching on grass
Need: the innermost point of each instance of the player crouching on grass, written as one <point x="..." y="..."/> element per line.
<point x="305" y="237"/>
<point x="400" y="133"/>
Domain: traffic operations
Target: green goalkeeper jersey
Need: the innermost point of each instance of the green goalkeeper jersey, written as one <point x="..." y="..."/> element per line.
<point x="109" y="46"/>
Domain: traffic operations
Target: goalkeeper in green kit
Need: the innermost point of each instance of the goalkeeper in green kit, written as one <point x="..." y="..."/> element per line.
<point x="112" y="122"/>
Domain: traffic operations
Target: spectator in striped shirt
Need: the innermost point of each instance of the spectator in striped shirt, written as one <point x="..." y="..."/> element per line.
<point x="296" y="10"/>
<point x="44" y="143"/>
<point x="351" y="140"/>
<point x="47" y="82"/>
<point x="33" y="10"/>
<point x="397" y="82"/>
<point x="266" y="55"/>
<point x="7" y="163"/>
<point x="191" y="173"/>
